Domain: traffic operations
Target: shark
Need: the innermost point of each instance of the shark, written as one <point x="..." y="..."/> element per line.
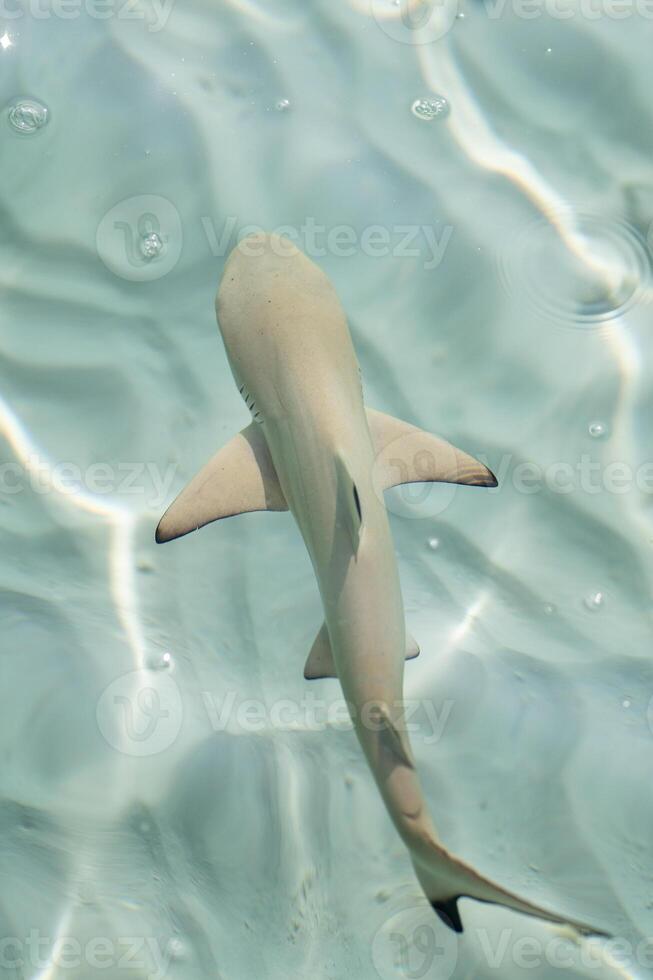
<point x="313" y="448"/>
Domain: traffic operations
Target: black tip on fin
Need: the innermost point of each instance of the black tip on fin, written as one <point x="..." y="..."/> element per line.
<point x="491" y="480"/>
<point x="448" y="913"/>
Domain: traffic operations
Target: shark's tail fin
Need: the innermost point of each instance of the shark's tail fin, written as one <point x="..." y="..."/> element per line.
<point x="445" y="879"/>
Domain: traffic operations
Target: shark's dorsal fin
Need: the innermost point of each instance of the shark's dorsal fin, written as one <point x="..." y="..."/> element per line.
<point x="320" y="660"/>
<point x="348" y="508"/>
<point x="240" y="478"/>
<point x="407" y="454"/>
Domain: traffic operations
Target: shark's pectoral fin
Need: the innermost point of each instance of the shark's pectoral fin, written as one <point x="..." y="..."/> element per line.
<point x="320" y="661"/>
<point x="407" y="454"/>
<point x="240" y="478"/>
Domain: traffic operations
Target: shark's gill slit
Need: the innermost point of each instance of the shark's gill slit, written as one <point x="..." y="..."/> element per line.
<point x="251" y="404"/>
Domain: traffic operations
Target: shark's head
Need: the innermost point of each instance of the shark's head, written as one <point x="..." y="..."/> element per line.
<point x="281" y="321"/>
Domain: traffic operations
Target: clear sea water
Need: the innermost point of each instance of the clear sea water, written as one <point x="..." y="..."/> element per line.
<point x="171" y="805"/>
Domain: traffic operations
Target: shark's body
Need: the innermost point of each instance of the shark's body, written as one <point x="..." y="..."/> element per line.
<point x="313" y="448"/>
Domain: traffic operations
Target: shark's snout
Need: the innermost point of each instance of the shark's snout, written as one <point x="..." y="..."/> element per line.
<point x="262" y="245"/>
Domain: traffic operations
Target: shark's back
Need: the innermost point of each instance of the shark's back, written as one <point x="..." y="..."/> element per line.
<point x="283" y="326"/>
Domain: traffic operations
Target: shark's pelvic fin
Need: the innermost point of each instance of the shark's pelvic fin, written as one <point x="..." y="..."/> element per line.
<point x="320" y="661"/>
<point x="412" y="647"/>
<point x="407" y="454"/>
<point x="240" y="478"/>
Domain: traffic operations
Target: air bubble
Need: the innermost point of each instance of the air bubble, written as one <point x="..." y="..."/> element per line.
<point x="176" y="949"/>
<point x="594" y="601"/>
<point x="433" y="543"/>
<point x="151" y="246"/>
<point x="164" y="662"/>
<point x="282" y="105"/>
<point x="432" y="108"/>
<point x="549" y="609"/>
<point x="597" y="430"/>
<point x="85" y="893"/>
<point x="626" y="703"/>
<point x="28" y="116"/>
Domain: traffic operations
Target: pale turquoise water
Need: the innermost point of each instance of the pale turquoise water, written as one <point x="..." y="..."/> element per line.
<point x="143" y="801"/>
